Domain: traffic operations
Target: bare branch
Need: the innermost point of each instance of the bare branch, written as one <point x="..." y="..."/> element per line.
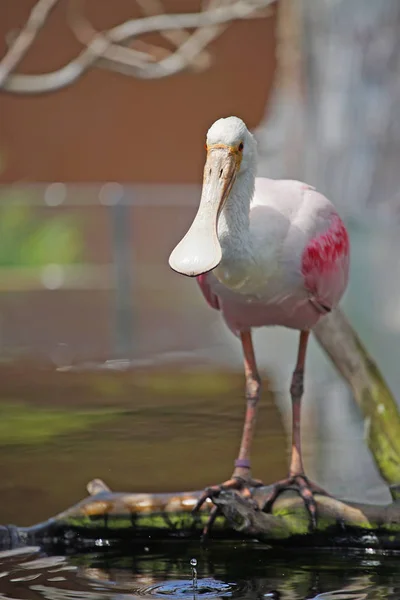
<point x="189" y="49"/>
<point x="131" y="61"/>
<point x="184" y="55"/>
<point x="100" y="45"/>
<point x="175" y="36"/>
<point x="85" y="33"/>
<point x="26" y="37"/>
<point x="135" y="61"/>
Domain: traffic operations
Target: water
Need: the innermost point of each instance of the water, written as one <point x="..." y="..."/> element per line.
<point x="243" y="572"/>
<point x="154" y="429"/>
<point x="118" y="425"/>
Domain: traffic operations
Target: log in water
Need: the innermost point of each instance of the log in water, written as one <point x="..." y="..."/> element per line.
<point x="107" y="518"/>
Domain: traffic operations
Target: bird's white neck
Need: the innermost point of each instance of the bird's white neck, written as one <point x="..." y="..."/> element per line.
<point x="234" y="233"/>
<point x="234" y="219"/>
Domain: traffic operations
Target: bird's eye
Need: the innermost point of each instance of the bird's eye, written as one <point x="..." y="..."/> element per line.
<point x="241" y="146"/>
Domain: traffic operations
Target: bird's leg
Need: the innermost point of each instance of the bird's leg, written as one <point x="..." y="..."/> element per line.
<point x="297" y="478"/>
<point x="253" y="389"/>
<point x="241" y="478"/>
<point x="296" y="393"/>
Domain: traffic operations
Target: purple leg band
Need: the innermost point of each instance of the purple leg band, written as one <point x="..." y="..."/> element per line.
<point x="242" y="462"/>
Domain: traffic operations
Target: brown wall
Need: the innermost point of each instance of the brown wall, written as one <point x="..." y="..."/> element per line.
<point x="110" y="127"/>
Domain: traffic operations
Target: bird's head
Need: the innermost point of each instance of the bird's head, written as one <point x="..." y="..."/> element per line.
<point x="230" y="153"/>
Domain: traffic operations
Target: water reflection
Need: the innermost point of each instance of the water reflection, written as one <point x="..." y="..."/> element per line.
<point x="245" y="572"/>
<point x="143" y="430"/>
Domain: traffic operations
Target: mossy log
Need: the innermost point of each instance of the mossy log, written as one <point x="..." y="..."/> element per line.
<point x="340" y="524"/>
<point x="107" y="519"/>
<point x="382" y="418"/>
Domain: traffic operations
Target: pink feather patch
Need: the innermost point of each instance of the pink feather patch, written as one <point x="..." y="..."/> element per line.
<point x="325" y="254"/>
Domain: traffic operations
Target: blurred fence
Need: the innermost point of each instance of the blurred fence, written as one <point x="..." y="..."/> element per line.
<point x="92" y="261"/>
<point x="86" y="266"/>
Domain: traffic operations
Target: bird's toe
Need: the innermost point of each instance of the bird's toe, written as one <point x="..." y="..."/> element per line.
<point x="241" y="485"/>
<point x="305" y="488"/>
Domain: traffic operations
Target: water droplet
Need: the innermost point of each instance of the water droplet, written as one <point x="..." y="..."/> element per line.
<point x="193" y="564"/>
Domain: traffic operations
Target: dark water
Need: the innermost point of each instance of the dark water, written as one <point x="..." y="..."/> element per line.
<point x="240" y="572"/>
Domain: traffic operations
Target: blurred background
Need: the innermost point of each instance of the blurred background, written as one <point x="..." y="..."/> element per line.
<point x="113" y="366"/>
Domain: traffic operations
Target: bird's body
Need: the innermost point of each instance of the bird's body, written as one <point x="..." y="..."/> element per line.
<point x="291" y="265"/>
<point x="264" y="252"/>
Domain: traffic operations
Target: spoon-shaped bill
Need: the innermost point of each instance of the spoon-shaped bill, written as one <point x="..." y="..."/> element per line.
<point x="199" y="251"/>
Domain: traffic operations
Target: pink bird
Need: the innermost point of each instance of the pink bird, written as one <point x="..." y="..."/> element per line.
<point x="264" y="252"/>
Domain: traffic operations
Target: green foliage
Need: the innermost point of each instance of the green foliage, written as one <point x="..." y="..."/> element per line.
<point x="29" y="240"/>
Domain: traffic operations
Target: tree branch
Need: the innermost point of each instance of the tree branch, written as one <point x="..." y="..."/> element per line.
<point x="119" y="517"/>
<point x="136" y="59"/>
<point x="375" y="400"/>
<point x="178" y="36"/>
<point x="26" y="37"/>
<point x="102" y="47"/>
<point x="339" y="524"/>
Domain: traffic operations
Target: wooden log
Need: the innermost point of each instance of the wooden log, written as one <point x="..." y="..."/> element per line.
<point x="107" y="518"/>
<point x="340" y="524"/>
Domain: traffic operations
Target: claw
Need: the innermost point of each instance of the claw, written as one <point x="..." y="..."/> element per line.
<point x="239" y="484"/>
<point x="214" y="490"/>
<point x="213" y="515"/>
<point x="306" y="490"/>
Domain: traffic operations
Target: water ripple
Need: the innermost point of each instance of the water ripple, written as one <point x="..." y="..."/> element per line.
<point x="206" y="588"/>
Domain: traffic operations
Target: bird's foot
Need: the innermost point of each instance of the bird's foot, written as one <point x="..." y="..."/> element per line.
<point x="305" y="488"/>
<point x="241" y="482"/>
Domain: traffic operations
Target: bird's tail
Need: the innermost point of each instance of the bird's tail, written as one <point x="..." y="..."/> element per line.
<point x="373" y="396"/>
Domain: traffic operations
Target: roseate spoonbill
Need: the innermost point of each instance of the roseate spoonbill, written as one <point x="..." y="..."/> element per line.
<point x="264" y="252"/>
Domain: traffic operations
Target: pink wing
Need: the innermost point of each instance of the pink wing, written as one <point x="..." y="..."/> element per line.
<point x="211" y="298"/>
<point x="325" y="265"/>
